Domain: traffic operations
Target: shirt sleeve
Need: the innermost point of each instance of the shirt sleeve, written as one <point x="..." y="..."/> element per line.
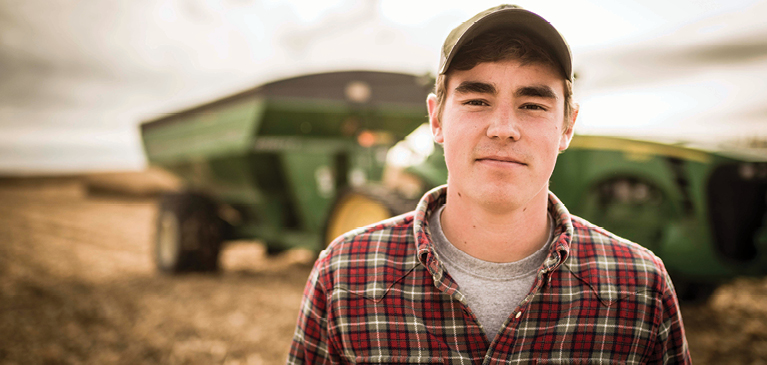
<point x="310" y="339"/>
<point x="671" y="346"/>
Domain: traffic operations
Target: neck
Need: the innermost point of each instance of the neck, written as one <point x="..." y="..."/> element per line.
<point x="497" y="235"/>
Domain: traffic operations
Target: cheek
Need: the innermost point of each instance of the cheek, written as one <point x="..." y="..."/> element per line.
<point x="453" y="134"/>
<point x="450" y="150"/>
<point x="457" y="150"/>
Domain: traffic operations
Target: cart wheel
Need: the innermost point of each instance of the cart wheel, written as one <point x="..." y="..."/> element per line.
<point x="273" y="248"/>
<point x="362" y="206"/>
<point x="693" y="292"/>
<point x="189" y="234"/>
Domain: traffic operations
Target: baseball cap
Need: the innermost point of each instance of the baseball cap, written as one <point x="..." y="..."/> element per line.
<point x="513" y="18"/>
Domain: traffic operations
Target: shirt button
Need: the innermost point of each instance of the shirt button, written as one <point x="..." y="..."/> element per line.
<point x="519" y="314"/>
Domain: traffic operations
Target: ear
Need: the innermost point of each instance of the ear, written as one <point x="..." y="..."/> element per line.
<point x="434" y="122"/>
<point x="567" y="136"/>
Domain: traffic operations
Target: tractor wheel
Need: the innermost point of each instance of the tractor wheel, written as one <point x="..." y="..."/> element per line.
<point x="361" y="206"/>
<point x="189" y="234"/>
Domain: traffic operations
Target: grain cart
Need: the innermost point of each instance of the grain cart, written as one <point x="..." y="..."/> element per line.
<point x="704" y="213"/>
<point x="280" y="163"/>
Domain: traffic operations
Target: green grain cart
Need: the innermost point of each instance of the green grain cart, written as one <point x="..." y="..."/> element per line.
<point x="279" y="162"/>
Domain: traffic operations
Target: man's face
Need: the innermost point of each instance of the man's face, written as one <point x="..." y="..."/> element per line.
<point x="502" y="129"/>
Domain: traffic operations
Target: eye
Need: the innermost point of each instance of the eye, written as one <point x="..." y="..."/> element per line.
<point x="533" y="107"/>
<point x="476" y="102"/>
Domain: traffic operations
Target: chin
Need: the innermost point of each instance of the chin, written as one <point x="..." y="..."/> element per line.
<point x="509" y="197"/>
<point x="502" y="199"/>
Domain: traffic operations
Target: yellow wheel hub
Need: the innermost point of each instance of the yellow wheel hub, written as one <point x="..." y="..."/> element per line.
<point x="352" y="211"/>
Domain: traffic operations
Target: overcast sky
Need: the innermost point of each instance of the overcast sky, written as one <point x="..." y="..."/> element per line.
<point x="77" y="76"/>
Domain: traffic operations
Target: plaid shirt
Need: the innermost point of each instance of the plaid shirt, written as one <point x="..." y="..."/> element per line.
<point x="379" y="294"/>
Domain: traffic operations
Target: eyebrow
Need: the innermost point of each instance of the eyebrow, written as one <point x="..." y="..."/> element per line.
<point x="540" y="91"/>
<point x="468" y="87"/>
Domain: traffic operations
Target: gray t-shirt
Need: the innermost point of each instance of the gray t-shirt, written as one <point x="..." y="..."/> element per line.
<point x="492" y="290"/>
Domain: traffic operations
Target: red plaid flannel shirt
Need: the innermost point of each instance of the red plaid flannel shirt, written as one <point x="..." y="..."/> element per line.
<point x="380" y="295"/>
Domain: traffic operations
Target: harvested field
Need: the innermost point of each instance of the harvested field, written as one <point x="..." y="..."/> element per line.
<point x="77" y="286"/>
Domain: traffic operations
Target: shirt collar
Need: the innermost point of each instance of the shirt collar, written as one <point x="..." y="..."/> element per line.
<point x="563" y="233"/>
<point x="565" y="250"/>
<point x="432" y="200"/>
<point x="425" y="252"/>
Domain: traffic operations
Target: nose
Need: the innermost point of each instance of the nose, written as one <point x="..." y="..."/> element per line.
<point x="504" y="125"/>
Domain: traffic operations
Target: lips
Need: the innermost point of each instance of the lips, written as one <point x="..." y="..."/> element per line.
<point x="506" y="159"/>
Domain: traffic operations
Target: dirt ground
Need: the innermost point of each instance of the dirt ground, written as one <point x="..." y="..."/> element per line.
<point x="77" y="286"/>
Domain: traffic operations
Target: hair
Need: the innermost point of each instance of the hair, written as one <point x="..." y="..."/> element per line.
<point x="499" y="45"/>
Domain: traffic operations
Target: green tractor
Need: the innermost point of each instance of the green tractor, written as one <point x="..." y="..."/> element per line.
<point x="297" y="162"/>
<point x="704" y="213"/>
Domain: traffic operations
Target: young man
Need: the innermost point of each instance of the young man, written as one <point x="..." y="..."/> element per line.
<point x="492" y="268"/>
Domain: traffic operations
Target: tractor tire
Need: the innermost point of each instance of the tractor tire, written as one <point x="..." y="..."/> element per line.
<point x="358" y="207"/>
<point x="189" y="234"/>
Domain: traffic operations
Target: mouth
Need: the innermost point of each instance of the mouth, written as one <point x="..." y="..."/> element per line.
<point x="501" y="159"/>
